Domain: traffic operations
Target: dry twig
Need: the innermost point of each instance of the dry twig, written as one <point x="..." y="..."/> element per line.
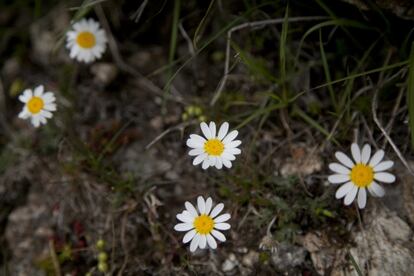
<point x="386" y="135"/>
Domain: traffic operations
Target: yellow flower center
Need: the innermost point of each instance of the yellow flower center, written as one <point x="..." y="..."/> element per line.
<point x="203" y="224"/>
<point x="86" y="40"/>
<point x="362" y="175"/>
<point x="35" y="105"/>
<point x="214" y="147"/>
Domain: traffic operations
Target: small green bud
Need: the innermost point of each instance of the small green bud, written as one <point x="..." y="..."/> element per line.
<point x="100" y="244"/>
<point x="197" y="111"/>
<point x="202" y="118"/>
<point x="190" y="110"/>
<point x="102" y="257"/>
<point x="184" y="116"/>
<point x="102" y="266"/>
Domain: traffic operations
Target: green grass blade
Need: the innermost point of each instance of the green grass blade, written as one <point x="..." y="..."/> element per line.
<point x="209" y="41"/>
<point x="376" y="70"/>
<point x="332" y="14"/>
<point x="262" y="111"/>
<point x="327" y="73"/>
<point x="112" y="141"/>
<point x="213" y="38"/>
<point x="348" y="89"/>
<point x="173" y="46"/>
<point x="282" y="55"/>
<point x="201" y="26"/>
<point x="410" y="91"/>
<point x="334" y="22"/>
<point x="355" y="265"/>
<point x="255" y="66"/>
<point x="313" y="123"/>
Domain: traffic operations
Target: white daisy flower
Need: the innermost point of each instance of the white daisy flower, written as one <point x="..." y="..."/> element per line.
<point x="202" y="226"/>
<point x="216" y="150"/>
<point x="360" y="175"/>
<point x="86" y="41"/>
<point x="38" y="105"/>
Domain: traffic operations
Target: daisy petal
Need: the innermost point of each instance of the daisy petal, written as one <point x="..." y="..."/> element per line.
<point x="222" y="218"/>
<point x="185" y="217"/>
<point x="46" y="114"/>
<point x="366" y="154"/>
<point x="233" y="144"/>
<point x="384" y="177"/>
<point x="35" y="121"/>
<point x="219" y="164"/>
<point x="356" y="153"/>
<point x="338" y="178"/>
<point x="191" y="209"/>
<point x="198" y="139"/>
<point x="222" y="226"/>
<point x="213" y="129"/>
<point x="189" y="235"/>
<point x="194" y="243"/>
<point x="42" y="120"/>
<point x="224" y="128"/>
<point x="350" y="196"/>
<point x="233" y="151"/>
<point x="199" y="159"/>
<point x="203" y="241"/>
<point x="211" y="242"/>
<point x="230" y="137"/>
<point x="24" y="114"/>
<point x="192" y="143"/>
<point x="385" y="165"/>
<point x="195" y="152"/>
<point x="343" y="190"/>
<point x="38" y="91"/>
<point x="216" y="210"/>
<point x="218" y="235"/>
<point x="201" y="204"/>
<point x="212" y="160"/>
<point x="25" y="96"/>
<point x="205" y="164"/>
<point x="344" y="159"/>
<point x="226" y="163"/>
<point x="206" y="130"/>
<point x="338" y="168"/>
<point x="49" y="97"/>
<point x="362" y="198"/>
<point x="376" y="190"/>
<point x="228" y="156"/>
<point x="50" y="107"/>
<point x="209" y="204"/>
<point x="183" y="227"/>
<point x="376" y="158"/>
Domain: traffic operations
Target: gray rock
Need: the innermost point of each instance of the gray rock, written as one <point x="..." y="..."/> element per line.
<point x="287" y="256"/>
<point x="385" y="247"/>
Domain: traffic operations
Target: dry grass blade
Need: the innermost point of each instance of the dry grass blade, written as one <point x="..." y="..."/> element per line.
<point x="138" y="13"/>
<point x="410" y="97"/>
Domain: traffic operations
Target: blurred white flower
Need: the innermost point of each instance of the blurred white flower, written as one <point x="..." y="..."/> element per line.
<point x="216" y="149"/>
<point x="86" y="41"/>
<point x="360" y="175"/>
<point x="202" y="224"/>
<point x="38" y="105"/>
